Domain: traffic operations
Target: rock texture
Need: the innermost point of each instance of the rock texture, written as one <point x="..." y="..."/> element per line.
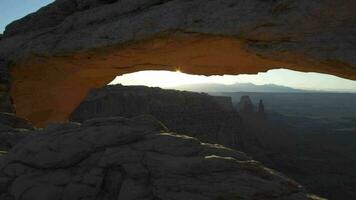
<point x="12" y="130"/>
<point x="5" y="99"/>
<point x="117" y="158"/>
<point x="10" y="121"/>
<point x="251" y="131"/>
<point x="78" y="45"/>
<point x="210" y="119"/>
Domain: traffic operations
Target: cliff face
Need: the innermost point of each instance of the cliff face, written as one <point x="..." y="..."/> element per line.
<point x="78" y="45"/>
<point x="211" y="119"/>
<point x="133" y="159"/>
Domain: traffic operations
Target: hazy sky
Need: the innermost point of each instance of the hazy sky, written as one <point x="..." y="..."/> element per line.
<point x="300" y="80"/>
<point x="11" y="10"/>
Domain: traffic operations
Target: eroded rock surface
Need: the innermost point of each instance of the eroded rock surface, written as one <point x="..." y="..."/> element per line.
<point x="118" y="158"/>
<point x="78" y="45"/>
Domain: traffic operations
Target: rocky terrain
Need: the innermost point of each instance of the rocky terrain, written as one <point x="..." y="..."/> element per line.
<point x="79" y="44"/>
<point x="50" y="59"/>
<point x="118" y="158"/>
<point x="211" y="119"/>
<point x="140" y="158"/>
<point x="248" y="129"/>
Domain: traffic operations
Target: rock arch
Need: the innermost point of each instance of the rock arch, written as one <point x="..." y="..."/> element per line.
<point x="58" y="53"/>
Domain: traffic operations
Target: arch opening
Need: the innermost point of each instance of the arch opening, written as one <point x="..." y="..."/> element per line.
<point x="289" y="80"/>
<point x="275" y="124"/>
<point x="48" y="88"/>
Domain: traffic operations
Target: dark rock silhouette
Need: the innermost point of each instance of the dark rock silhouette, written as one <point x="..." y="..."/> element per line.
<point x="118" y="158"/>
<point x="211" y="119"/>
<point x="258" y="134"/>
<point x="261" y="109"/>
<point x="245" y="105"/>
<point x="194" y="114"/>
<point x="304" y="154"/>
<point x="252" y="131"/>
<point x="208" y="118"/>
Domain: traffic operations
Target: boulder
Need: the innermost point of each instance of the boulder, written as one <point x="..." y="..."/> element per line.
<point x="119" y="158"/>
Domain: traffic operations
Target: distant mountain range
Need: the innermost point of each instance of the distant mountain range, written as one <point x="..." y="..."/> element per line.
<point x="238" y="87"/>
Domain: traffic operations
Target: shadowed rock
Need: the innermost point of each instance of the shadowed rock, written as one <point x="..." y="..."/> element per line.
<point x="12" y="130"/>
<point x="210" y="119"/>
<point x="5" y="99"/>
<point x="118" y="158"/>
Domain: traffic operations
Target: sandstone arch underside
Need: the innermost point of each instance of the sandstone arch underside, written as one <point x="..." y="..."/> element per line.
<point x="58" y="53"/>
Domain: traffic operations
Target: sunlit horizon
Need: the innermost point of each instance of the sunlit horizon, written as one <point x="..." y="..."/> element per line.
<point x="282" y="77"/>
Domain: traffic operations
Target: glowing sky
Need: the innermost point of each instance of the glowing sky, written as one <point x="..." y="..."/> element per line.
<point x="11" y="10"/>
<point x="300" y="80"/>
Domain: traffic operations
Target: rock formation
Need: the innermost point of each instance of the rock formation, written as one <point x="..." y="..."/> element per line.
<point x="70" y="46"/>
<point x="259" y="134"/>
<point x="118" y="158"/>
<point x="58" y="53"/>
<point x="210" y="119"/>
<point x="12" y="130"/>
<point x="261" y="109"/>
<point x="245" y="105"/>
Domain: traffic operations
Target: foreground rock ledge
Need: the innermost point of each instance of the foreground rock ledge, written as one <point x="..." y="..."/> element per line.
<point x="117" y="158"/>
<point x="70" y="46"/>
